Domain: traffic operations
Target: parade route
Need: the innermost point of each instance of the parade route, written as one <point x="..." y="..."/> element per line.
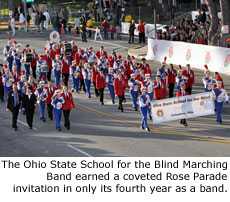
<point x="98" y="130"/>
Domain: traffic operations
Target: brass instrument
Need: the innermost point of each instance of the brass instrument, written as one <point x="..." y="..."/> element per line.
<point x="41" y="97"/>
<point x="185" y="77"/>
<point x="9" y="54"/>
<point x="76" y="74"/>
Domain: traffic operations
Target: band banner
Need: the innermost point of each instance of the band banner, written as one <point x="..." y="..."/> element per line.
<point x="185" y="107"/>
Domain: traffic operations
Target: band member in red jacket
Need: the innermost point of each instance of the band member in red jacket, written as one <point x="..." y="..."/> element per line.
<point x="101" y="52"/>
<point x="53" y="52"/>
<point x="65" y="69"/>
<point x="171" y="79"/>
<point x="67" y="106"/>
<point x="127" y="64"/>
<point x="190" y="75"/>
<point x="145" y="66"/>
<point x="101" y="84"/>
<point x="50" y="92"/>
<point x="78" y="56"/>
<point x="216" y="79"/>
<point x="112" y="59"/>
<point x="96" y="70"/>
<point x="33" y="64"/>
<point x="47" y="58"/>
<point x="180" y="93"/>
<point x="119" y="89"/>
<point x="16" y="75"/>
<point x="160" y="91"/>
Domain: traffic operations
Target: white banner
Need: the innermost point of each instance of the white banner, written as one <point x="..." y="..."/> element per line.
<point x="182" y="107"/>
<point x="217" y="58"/>
<point x="149" y="29"/>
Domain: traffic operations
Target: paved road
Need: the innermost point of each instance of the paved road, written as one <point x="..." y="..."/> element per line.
<point x="104" y="131"/>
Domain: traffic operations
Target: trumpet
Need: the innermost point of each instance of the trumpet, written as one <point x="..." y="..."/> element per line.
<point x="41" y="97"/>
<point x="76" y="75"/>
<point x="9" y="54"/>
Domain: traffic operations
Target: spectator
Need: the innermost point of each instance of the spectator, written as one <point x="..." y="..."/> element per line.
<point x="105" y="26"/>
<point x="58" y="24"/>
<point x="12" y="25"/>
<point x="77" y="23"/>
<point x="83" y="31"/>
<point x="37" y="21"/>
<point x="33" y="17"/>
<point x="42" y="20"/>
<point x="22" y="20"/>
<point x="111" y="31"/>
<point x="203" y="16"/>
<point x="132" y="28"/>
<point x="64" y="24"/>
<point x="89" y="24"/>
<point x="141" y="31"/>
<point x="47" y="15"/>
<point x="118" y="31"/>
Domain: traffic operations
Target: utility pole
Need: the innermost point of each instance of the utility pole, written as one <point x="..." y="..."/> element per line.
<point x="25" y="13"/>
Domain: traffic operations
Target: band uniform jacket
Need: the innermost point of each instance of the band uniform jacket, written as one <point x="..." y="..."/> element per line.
<point x="69" y="102"/>
<point x="190" y="77"/>
<point x="50" y="95"/>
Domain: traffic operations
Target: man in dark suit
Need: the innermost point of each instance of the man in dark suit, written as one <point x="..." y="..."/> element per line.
<point x="29" y="104"/>
<point x="13" y="104"/>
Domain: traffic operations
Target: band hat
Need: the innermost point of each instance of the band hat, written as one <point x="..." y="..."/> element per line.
<point x="219" y="83"/>
<point x="23" y="77"/>
<point x="179" y="71"/>
<point x="143" y="89"/>
<point x="58" y="92"/>
<point x="133" y="75"/>
<point x="147" y="76"/>
<point x="86" y="65"/>
<point x="74" y="62"/>
<point x="111" y="69"/>
<point x="7" y="70"/>
<point x="42" y="83"/>
<point x="207" y="71"/>
<point x="58" y="56"/>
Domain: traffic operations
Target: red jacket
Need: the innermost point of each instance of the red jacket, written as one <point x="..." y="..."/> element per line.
<point x="127" y="64"/>
<point x="139" y="78"/>
<point x="171" y="78"/>
<point x="1" y="74"/>
<point x="93" y="78"/>
<point x="99" y="54"/>
<point x="100" y="81"/>
<point x="53" y="54"/>
<point x="105" y="25"/>
<point x="146" y="68"/>
<point x="160" y="93"/>
<point x="69" y="103"/>
<point x="218" y="79"/>
<point x="111" y="61"/>
<point x="49" y="98"/>
<point x="75" y="50"/>
<point x="26" y="51"/>
<point x="77" y="57"/>
<point x="179" y="93"/>
<point x="65" y="67"/>
<point x="190" y="81"/>
<point x="119" y="88"/>
<point x="48" y="60"/>
<point x="34" y="63"/>
<point x="34" y="86"/>
<point x="141" y="27"/>
<point x="18" y="78"/>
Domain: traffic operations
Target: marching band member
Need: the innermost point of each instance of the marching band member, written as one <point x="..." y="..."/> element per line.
<point x="59" y="47"/>
<point x="220" y="95"/>
<point x="41" y="94"/>
<point x="2" y="72"/>
<point x="87" y="73"/>
<point x="118" y="62"/>
<point x="22" y="85"/>
<point x="216" y="79"/>
<point x="41" y="72"/>
<point x="133" y="90"/>
<point x="141" y="75"/>
<point x="78" y="56"/>
<point x="190" y="75"/>
<point x="180" y="79"/>
<point x="65" y="70"/>
<point x="144" y="105"/>
<point x="34" y="63"/>
<point x="103" y="62"/>
<point x="57" y="64"/>
<point x="163" y="72"/>
<point x="74" y="72"/>
<point x="112" y="59"/>
<point x="96" y="70"/>
<point x="47" y="57"/>
<point x="27" y="65"/>
<point x="119" y="89"/>
<point x="149" y="90"/>
<point x="101" y="52"/>
<point x="127" y="64"/>
<point x="8" y="53"/>
<point x="53" y="52"/>
<point x="101" y="84"/>
<point x="67" y="106"/>
<point x="17" y="57"/>
<point x="50" y="92"/>
<point x="32" y="84"/>
<point x="74" y="49"/>
<point x="207" y="80"/>
<point x="7" y="80"/>
<point x="110" y="83"/>
<point x="160" y="91"/>
<point x="145" y="66"/>
<point x="13" y="104"/>
<point x="171" y="79"/>
<point x="57" y="102"/>
<point x="135" y="68"/>
<point x="81" y="67"/>
<point x="28" y="105"/>
<point x="180" y="93"/>
<point x="16" y="75"/>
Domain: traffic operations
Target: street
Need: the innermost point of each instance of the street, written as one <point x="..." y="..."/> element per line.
<point x="103" y="131"/>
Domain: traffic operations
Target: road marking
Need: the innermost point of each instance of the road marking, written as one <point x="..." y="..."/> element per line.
<point x="79" y="150"/>
<point x="160" y="130"/>
<point x="21" y="122"/>
<point x="108" y="43"/>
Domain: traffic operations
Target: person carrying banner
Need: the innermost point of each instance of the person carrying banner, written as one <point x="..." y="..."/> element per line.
<point x="189" y="74"/>
<point x="160" y="91"/>
<point x="220" y="95"/>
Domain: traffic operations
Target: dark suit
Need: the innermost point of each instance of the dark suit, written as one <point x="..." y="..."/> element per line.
<point x="29" y="106"/>
<point x="14" y="109"/>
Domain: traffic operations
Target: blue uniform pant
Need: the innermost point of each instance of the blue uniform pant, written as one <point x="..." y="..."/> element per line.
<point x="87" y="86"/>
<point x="111" y="92"/>
<point x="27" y="70"/>
<point x="57" y="75"/>
<point x="10" y="61"/>
<point x="219" y="107"/>
<point x="206" y="90"/>
<point x="41" y="74"/>
<point x="18" y="64"/>
<point x="106" y="71"/>
<point x="42" y="109"/>
<point x="143" y="111"/>
<point x="57" y="116"/>
<point x="7" y="90"/>
<point x="75" y="83"/>
<point x="134" y="95"/>
<point x="149" y="106"/>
